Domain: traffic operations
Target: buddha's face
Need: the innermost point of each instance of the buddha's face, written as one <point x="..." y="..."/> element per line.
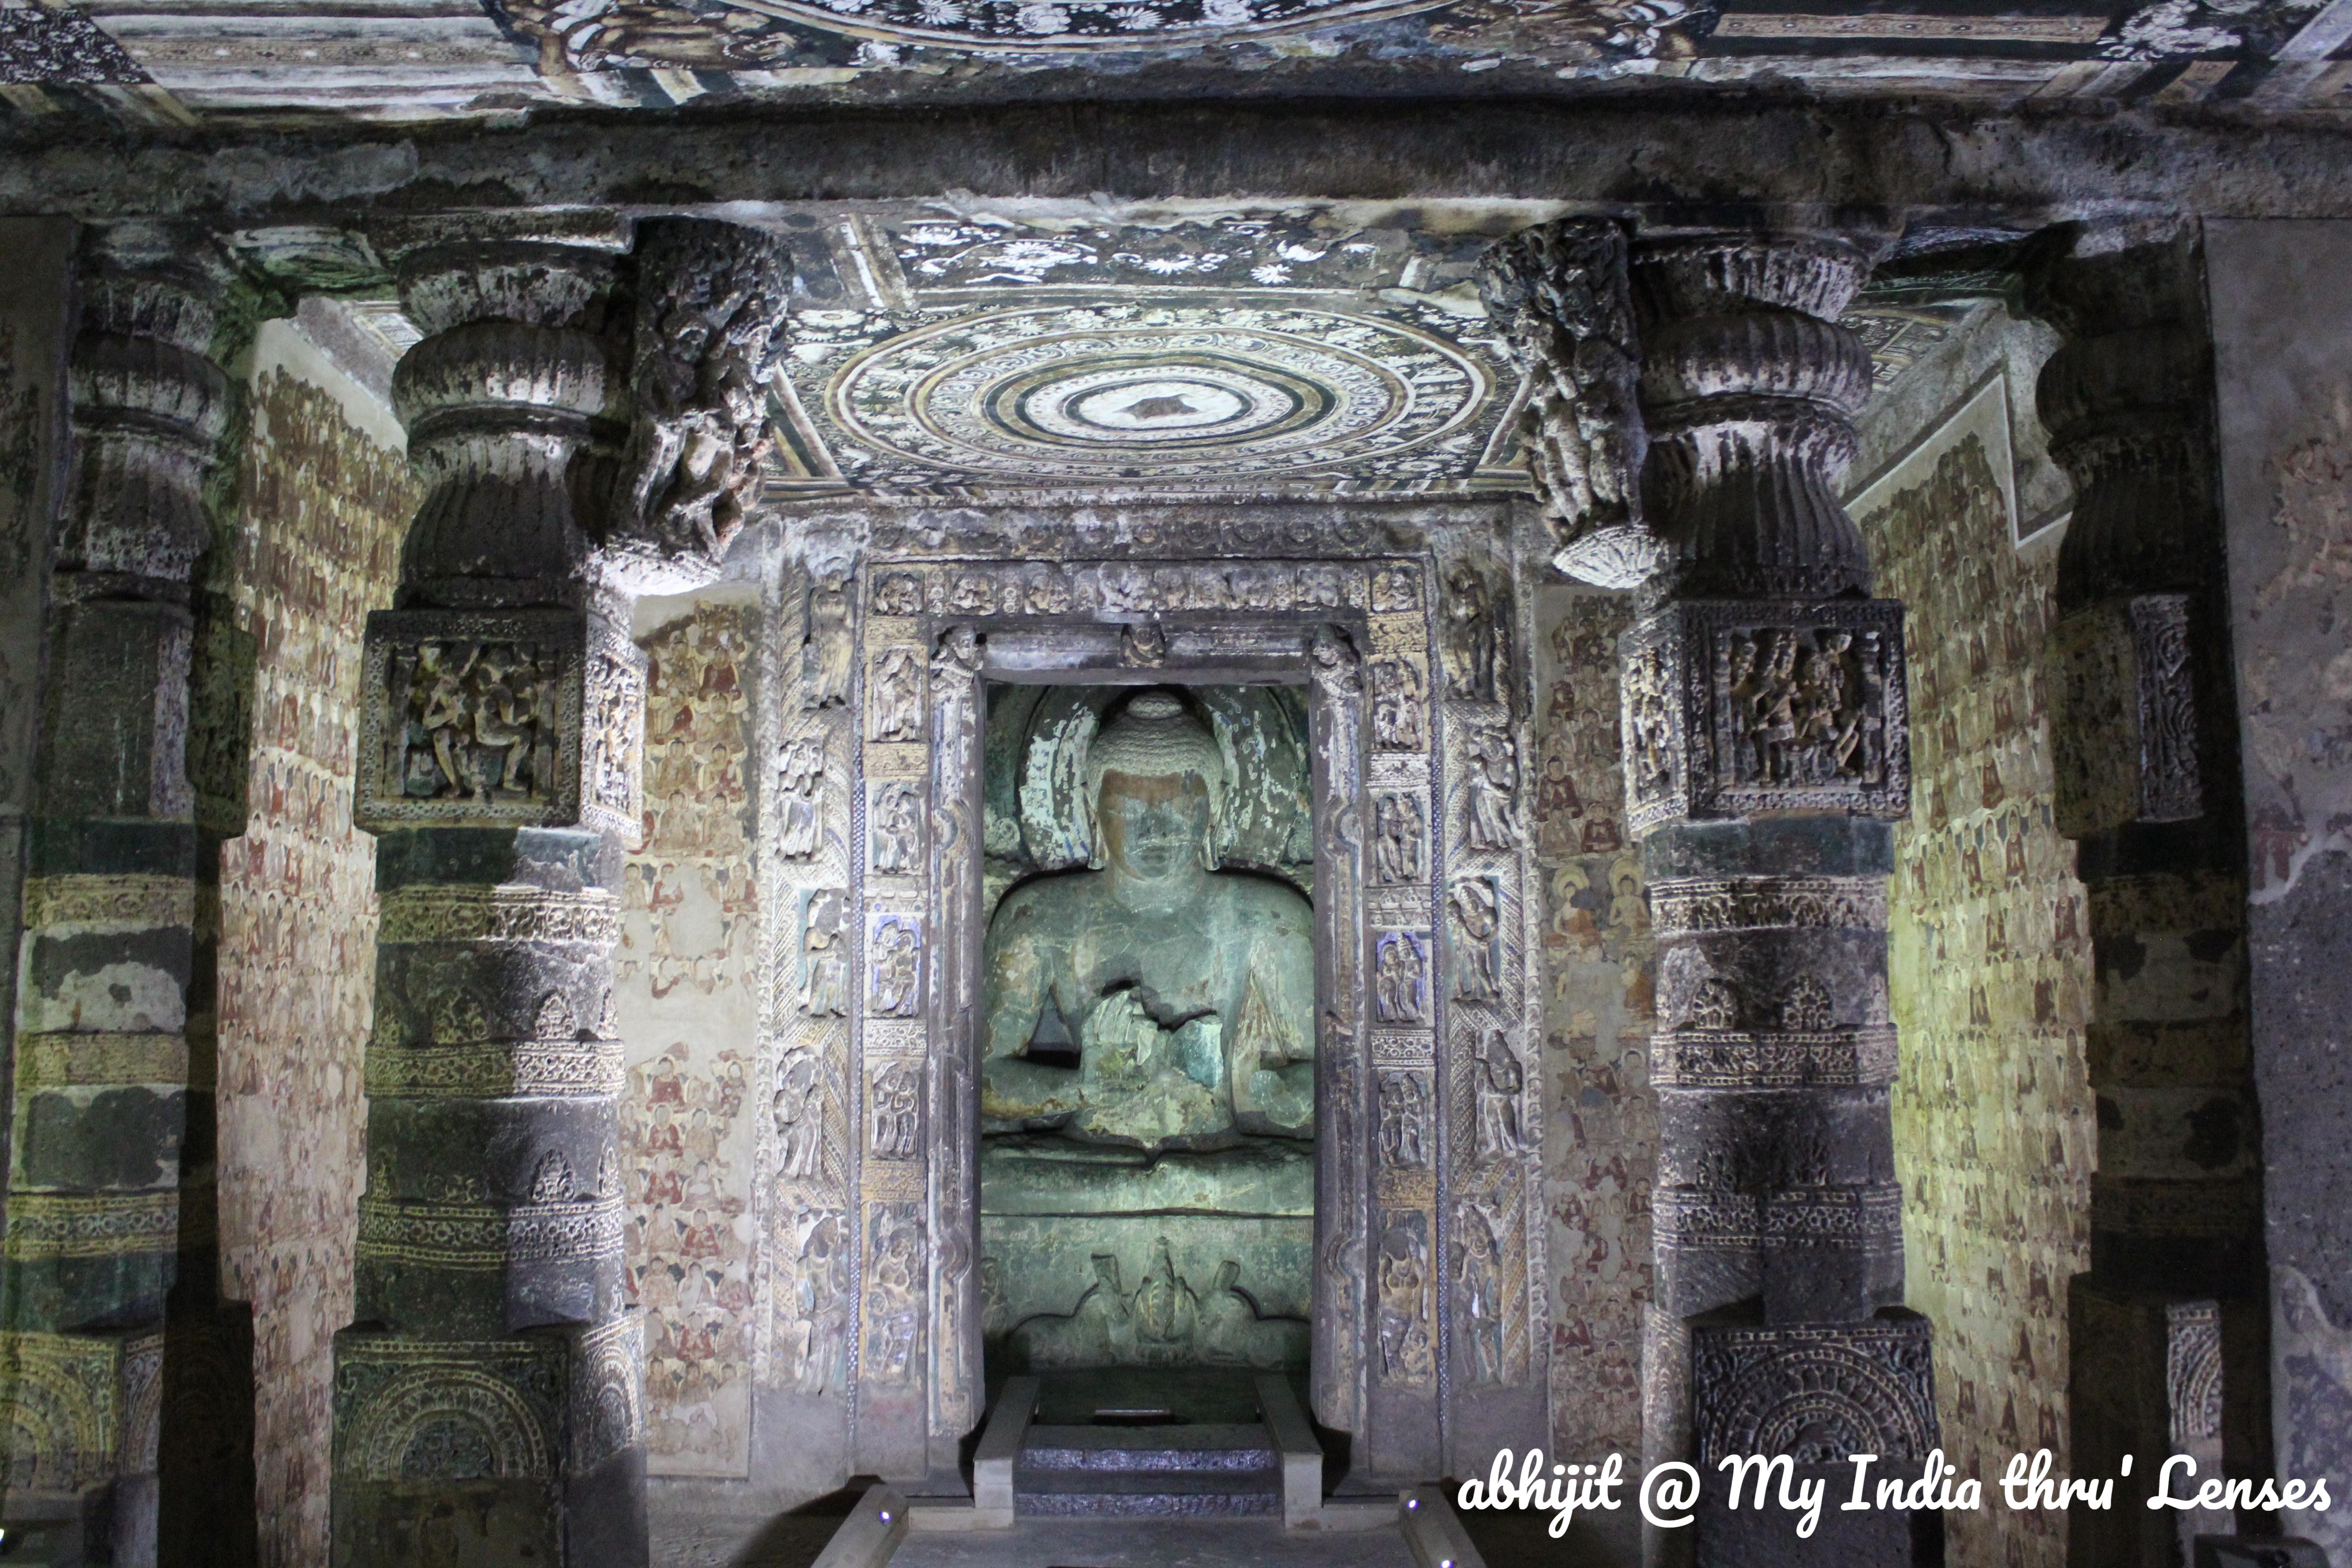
<point x="1153" y="826"/>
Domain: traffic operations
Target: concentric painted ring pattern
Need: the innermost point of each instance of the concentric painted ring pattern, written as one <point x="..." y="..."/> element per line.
<point x="1180" y="393"/>
<point x="1060" y="24"/>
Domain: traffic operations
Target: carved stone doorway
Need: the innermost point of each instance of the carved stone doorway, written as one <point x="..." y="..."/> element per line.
<point x="1428" y="1323"/>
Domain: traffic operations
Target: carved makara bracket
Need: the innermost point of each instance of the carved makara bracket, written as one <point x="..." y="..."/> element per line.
<point x="1736" y="707"/>
<point x="529" y="717"/>
<point x="2126" y="740"/>
<point x="709" y="316"/>
<point x="1559" y="292"/>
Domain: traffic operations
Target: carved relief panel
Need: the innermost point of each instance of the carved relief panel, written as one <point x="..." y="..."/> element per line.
<point x="513" y="718"/>
<point x="1734" y="708"/>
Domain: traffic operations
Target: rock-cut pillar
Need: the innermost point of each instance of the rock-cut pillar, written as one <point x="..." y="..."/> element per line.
<point x="1767" y="760"/>
<point x="106" y="1190"/>
<point x="487" y="1398"/>
<point x="587" y="422"/>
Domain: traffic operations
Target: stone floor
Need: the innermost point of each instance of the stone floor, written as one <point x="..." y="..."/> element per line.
<point x="1152" y="1543"/>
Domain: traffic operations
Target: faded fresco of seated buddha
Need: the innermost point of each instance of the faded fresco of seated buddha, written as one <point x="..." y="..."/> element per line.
<point x="1151" y="1001"/>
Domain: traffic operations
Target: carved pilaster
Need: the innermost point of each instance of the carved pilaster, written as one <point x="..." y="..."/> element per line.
<point x="1765" y="758"/>
<point x="2144" y="736"/>
<point x="113" y="1025"/>
<point x="1342" y="1066"/>
<point x="957" y="707"/>
<point x="500" y="764"/>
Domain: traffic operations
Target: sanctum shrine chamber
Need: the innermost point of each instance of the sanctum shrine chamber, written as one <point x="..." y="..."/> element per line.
<point x="1065" y="785"/>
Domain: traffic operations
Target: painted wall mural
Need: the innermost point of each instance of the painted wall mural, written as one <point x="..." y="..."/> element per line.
<point x="685" y="975"/>
<point x="1602" y="1118"/>
<point x="326" y="503"/>
<point x="1990" y="976"/>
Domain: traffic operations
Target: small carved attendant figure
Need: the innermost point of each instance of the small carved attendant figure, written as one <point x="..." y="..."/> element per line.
<point x="1186" y="992"/>
<point x="1650" y="744"/>
<point x="1501" y="1080"/>
<point x="1476" y="923"/>
<point x="1396" y="707"/>
<point x="1474" y="644"/>
<point x="894" y="1111"/>
<point x="895" y="705"/>
<point x="800" y="1119"/>
<point x="1494" y="821"/>
<point x="1399" y="987"/>
<point x="827" y="656"/>
<point x="1399" y="831"/>
<point x="1404" y="1107"/>
<point x="441" y="712"/>
<point x="895" y="828"/>
<point x="799" y="782"/>
<point x="897" y="946"/>
<point x="824" y="991"/>
<point x="1480" y="1277"/>
<point x="1404" y="1273"/>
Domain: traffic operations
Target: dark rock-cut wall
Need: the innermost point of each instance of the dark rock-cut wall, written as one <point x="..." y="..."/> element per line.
<point x="325" y="496"/>
<point x="1601" y="1119"/>
<point x="2284" y="389"/>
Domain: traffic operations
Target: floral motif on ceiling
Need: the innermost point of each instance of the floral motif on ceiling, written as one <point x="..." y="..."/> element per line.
<point x="1289" y="348"/>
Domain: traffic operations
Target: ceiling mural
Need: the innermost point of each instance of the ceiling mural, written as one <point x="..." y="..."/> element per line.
<point x="143" y="60"/>
<point x="1290" y="349"/>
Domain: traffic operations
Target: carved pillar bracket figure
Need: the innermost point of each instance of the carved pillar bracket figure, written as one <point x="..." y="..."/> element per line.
<point x="2144" y="738"/>
<point x="1766" y="759"/>
<point x="1559" y="292"/>
<point x="110" y="1016"/>
<point x="491" y="1388"/>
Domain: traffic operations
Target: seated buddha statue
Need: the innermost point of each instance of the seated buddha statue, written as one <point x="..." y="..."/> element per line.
<point x="1151" y="1001"/>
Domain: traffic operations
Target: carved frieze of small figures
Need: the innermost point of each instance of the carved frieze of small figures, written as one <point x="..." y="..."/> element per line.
<point x="898" y="594"/>
<point x="828" y="655"/>
<point x="1798" y="698"/>
<point x="1396" y="590"/>
<point x="480" y="722"/>
<point x="799" y="787"/>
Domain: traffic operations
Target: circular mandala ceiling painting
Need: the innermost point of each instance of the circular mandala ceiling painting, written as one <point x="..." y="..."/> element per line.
<point x="1063" y="25"/>
<point x="1194" y="392"/>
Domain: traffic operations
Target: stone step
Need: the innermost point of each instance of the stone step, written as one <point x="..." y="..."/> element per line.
<point x="1160" y="1472"/>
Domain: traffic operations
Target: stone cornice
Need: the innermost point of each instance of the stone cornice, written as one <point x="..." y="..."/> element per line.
<point x="1705" y="158"/>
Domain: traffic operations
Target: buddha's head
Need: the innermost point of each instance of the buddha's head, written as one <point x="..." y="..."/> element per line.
<point x="1156" y="782"/>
